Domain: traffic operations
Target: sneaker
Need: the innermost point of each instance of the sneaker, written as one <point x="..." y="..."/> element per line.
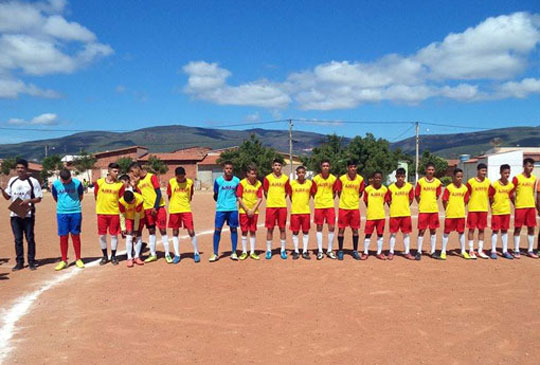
<point x="283" y="255"/>
<point x="151" y="258"/>
<point x="493" y="256"/>
<point x="138" y="261"/>
<point x="507" y="255"/>
<point x="482" y="255"/>
<point x="197" y="257"/>
<point x="331" y="254"/>
<point x="243" y="256"/>
<point x="17" y="267"/>
<point x="234" y="256"/>
<point x="254" y="256"/>
<point x="472" y="255"/>
<point x="465" y="255"/>
<point x="320" y="256"/>
<point x="532" y="255"/>
<point x="390" y="256"/>
<point x="340" y="255"/>
<point x="103" y="260"/>
<point x="381" y="256"/>
<point x="516" y="255"/>
<point x="176" y="260"/>
<point x="418" y="256"/>
<point x="268" y="255"/>
<point x="79" y="263"/>
<point x="435" y="256"/>
<point x="61" y="266"/>
<point x="408" y="256"/>
<point x="305" y="256"/>
<point x="114" y="260"/>
<point x="213" y="258"/>
<point x="295" y="255"/>
<point x="356" y="255"/>
<point x="168" y="258"/>
<point x="364" y="256"/>
<point x="442" y="256"/>
<point x="33" y="266"/>
<point x="129" y="263"/>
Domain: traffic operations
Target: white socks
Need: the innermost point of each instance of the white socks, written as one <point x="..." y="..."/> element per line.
<point x="444" y="243"/>
<point x="407" y="242"/>
<point x="305" y="240"/>
<point x="295" y="243"/>
<point x="471" y="245"/>
<point x="252" y="244"/>
<point x="433" y="241"/>
<point x="165" y="242"/>
<point x="379" y="245"/>
<point x="420" y="242"/>
<point x="504" y="239"/>
<point x="138" y="247"/>
<point x="366" y="245"/>
<point x="494" y="242"/>
<point x="152" y="244"/>
<point x="195" y="245"/>
<point x="392" y="242"/>
<point x="268" y="245"/>
<point x="330" y="241"/>
<point x="530" y="240"/>
<point x="103" y="241"/>
<point x="462" y="242"/>
<point x="282" y="245"/>
<point x="480" y="245"/>
<point x="114" y="243"/>
<point x="244" y="244"/>
<point x="176" y="245"/>
<point x="319" y="241"/>
<point x="129" y="246"/>
<point x="516" y="243"/>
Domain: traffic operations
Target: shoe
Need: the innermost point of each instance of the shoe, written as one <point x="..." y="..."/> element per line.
<point x="79" y="263"/>
<point x="516" y="255"/>
<point x="234" y="256"/>
<point x="243" y="256"/>
<point x="168" y="258"/>
<point x="507" y="255"/>
<point x="442" y="256"/>
<point x="61" y="266"/>
<point x="305" y="256"/>
<point x="103" y="260"/>
<point x="356" y="255"/>
<point x="532" y="255"/>
<point x="331" y="254"/>
<point x="418" y="256"/>
<point x="138" y="261"/>
<point x="129" y="263"/>
<point x="283" y="255"/>
<point x="114" y="260"/>
<point x="151" y="258"/>
<point x="254" y="256"/>
<point x="17" y="267"/>
<point x="268" y="255"/>
<point x="295" y="255"/>
<point x="320" y="256"/>
<point x="381" y="256"/>
<point x="176" y="260"/>
<point x="493" y="255"/>
<point x="33" y="266"/>
<point x="465" y="255"/>
<point x="390" y="256"/>
<point x="408" y="256"/>
<point x="197" y="257"/>
<point x="213" y="258"/>
<point x="340" y="255"/>
<point x="435" y="256"/>
<point x="472" y="255"/>
<point x="364" y="256"/>
<point x="482" y="255"/>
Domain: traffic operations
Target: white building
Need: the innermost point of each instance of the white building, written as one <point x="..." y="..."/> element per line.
<point x="497" y="157"/>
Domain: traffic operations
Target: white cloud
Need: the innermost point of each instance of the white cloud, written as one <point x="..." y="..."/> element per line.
<point x="120" y="89"/>
<point x="479" y="63"/>
<point x="42" y="119"/>
<point x="11" y="88"/>
<point x="36" y="39"/>
<point x="254" y="117"/>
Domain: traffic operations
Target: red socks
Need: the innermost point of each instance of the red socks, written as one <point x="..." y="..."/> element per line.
<point x="64" y="247"/>
<point x="76" y="245"/>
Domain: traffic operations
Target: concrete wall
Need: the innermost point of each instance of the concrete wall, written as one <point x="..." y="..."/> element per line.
<point x="513" y="158"/>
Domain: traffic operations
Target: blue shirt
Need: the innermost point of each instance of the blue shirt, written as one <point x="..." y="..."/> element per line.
<point x="67" y="196"/>
<point x="226" y="194"/>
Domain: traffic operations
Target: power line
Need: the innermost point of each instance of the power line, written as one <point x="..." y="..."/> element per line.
<point x="337" y="122"/>
<point x="455" y="126"/>
<point x="403" y="133"/>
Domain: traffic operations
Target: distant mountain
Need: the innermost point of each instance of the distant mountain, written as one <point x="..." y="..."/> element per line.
<point x="474" y="143"/>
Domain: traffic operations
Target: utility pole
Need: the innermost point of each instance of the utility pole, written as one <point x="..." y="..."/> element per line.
<point x="417" y="128"/>
<point x="46" y="150"/>
<point x="291" y="175"/>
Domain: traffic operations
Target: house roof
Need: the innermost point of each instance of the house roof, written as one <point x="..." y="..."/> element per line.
<point x="210" y="159"/>
<point x="185" y="154"/>
<point x="119" y="150"/>
<point x="452" y="162"/>
<point x="32" y="166"/>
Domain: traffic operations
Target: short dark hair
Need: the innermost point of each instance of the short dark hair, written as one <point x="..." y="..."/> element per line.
<point x="430" y="164"/>
<point x="128" y="196"/>
<point x="277" y="160"/>
<point x="113" y="165"/>
<point x="457" y="170"/>
<point x="376" y="172"/>
<point x="180" y="171"/>
<point x="351" y="162"/>
<point x="481" y="166"/>
<point x="227" y="162"/>
<point x="65" y="174"/>
<point x="251" y="167"/>
<point x="124" y="178"/>
<point x="135" y="164"/>
<point x="325" y="160"/>
<point x="528" y="160"/>
<point x="504" y="167"/>
<point x="301" y="167"/>
<point x="23" y="162"/>
<point x="400" y="171"/>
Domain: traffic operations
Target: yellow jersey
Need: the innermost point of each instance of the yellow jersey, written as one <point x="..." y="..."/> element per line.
<point x="147" y="187"/>
<point x="249" y="194"/>
<point x="428" y="192"/>
<point x="276" y="190"/>
<point x="479" y="194"/>
<point x="501" y="196"/>
<point x="130" y="210"/>
<point x="374" y="199"/>
<point x="300" y="195"/>
<point x="351" y="191"/>
<point x="324" y="196"/>
<point x="524" y="191"/>
<point x="107" y="196"/>
<point x="400" y="199"/>
<point x="180" y="194"/>
<point x="456" y="198"/>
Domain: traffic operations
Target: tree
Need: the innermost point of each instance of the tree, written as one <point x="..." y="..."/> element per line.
<point x="124" y="163"/>
<point x="334" y="150"/>
<point x="83" y="163"/>
<point x="251" y="151"/>
<point x="7" y="165"/>
<point x="51" y="165"/>
<point x="440" y="164"/>
<point x="372" y="155"/>
<point x="156" y="166"/>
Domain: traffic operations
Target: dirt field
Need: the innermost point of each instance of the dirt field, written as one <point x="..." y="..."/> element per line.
<point x="263" y="312"/>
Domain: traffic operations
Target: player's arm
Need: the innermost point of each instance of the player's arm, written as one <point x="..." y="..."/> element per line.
<point x="96" y="189"/>
<point x="239" y="193"/>
<point x="388" y="198"/>
<point x="38" y="195"/>
<point x="192" y="192"/>
<point x="259" y="199"/>
<point x="54" y="193"/>
<point x="288" y="189"/>
<point x="313" y="190"/>
<point x="122" y="217"/>
<point x="467" y="197"/>
<point x="169" y="191"/>
<point x="513" y="192"/>
<point x="361" y="188"/>
<point x="338" y="187"/>
<point x="366" y="202"/>
<point x="138" y="215"/>
<point x="157" y="189"/>
<point x="266" y="186"/>
<point x="491" y="194"/>
<point x="216" y="190"/>
<point x="417" y="190"/>
<point x="411" y="196"/>
<point x="80" y="191"/>
<point x="438" y="192"/>
<point x="445" y="198"/>
<point x="538" y="200"/>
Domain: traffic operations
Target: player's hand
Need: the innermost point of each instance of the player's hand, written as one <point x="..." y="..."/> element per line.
<point x="123" y="234"/>
<point x="25" y="202"/>
<point x="154" y="212"/>
<point x="250" y="213"/>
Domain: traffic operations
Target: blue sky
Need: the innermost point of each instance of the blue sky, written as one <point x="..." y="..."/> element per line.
<point x="126" y="65"/>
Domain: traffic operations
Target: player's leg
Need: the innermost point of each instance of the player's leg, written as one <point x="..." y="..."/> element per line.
<point x="294" y="226"/>
<point x="218" y="225"/>
<point x="343" y="222"/>
<point x="379" y="227"/>
<point x="282" y="223"/>
<point x="114" y="230"/>
<point x="446" y="234"/>
<point x="394" y="224"/>
<point x="176" y="242"/>
<point x="63" y="233"/>
<point x="530" y="242"/>
<point x="75" y="225"/>
<point x="103" y="225"/>
<point x="318" y="220"/>
<point x="423" y="223"/>
<point x="17" y="228"/>
<point x="129" y="241"/>
<point x="28" y="225"/>
<point x="368" y="231"/>
<point x="232" y="221"/>
<point x="331" y="224"/>
<point x="270" y="223"/>
<point x="244" y="222"/>
<point x="305" y="236"/>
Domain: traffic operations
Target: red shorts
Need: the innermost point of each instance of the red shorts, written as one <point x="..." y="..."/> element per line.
<point x="377" y="224"/>
<point x="160" y="220"/>
<point x="276" y="216"/>
<point x="179" y="220"/>
<point x="525" y="217"/>
<point x="477" y="220"/>
<point x="248" y="224"/>
<point x="400" y="223"/>
<point x="349" y="218"/>
<point x="300" y="221"/>
<point x="325" y="214"/>
<point x="454" y="224"/>
<point x="130" y="225"/>
<point x="500" y="222"/>
<point x="108" y="222"/>
<point x="426" y="220"/>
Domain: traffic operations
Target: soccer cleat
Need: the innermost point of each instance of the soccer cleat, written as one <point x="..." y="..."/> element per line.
<point x="32" y="266"/>
<point x="283" y="255"/>
<point x="234" y="256"/>
<point x="103" y="260"/>
<point x="408" y="256"/>
<point x="295" y="255"/>
<point x="482" y="255"/>
<point x="418" y="256"/>
<point x="442" y="256"/>
<point x="493" y="255"/>
<point x="390" y="256"/>
<point x="213" y="258"/>
<point x="305" y="256"/>
<point x="243" y="256"/>
<point x="268" y="255"/>
<point x="79" y="263"/>
<point x="532" y="255"/>
<point x="465" y="255"/>
<point x="472" y="255"/>
<point x="331" y="254"/>
<point x="129" y="263"/>
<point x="151" y="258"/>
<point x="61" y="266"/>
<point x="320" y="256"/>
<point x="17" y="267"/>
<point x="516" y="255"/>
<point x="356" y="255"/>
<point x="435" y="256"/>
<point x="364" y="256"/>
<point x="168" y="259"/>
<point x="381" y="256"/>
<point x="114" y="260"/>
<point x="176" y="259"/>
<point x="254" y="256"/>
<point x="197" y="257"/>
<point x="340" y="255"/>
<point x="507" y="255"/>
<point x="138" y="261"/>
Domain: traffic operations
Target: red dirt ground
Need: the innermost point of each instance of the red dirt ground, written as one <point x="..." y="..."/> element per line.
<point x="270" y="311"/>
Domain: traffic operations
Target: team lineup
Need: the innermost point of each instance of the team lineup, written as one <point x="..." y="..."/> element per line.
<point x="126" y="204"/>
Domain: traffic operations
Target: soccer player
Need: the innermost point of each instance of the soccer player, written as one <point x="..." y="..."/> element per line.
<point x="131" y="206"/>
<point x="399" y="198"/>
<point x="427" y="192"/>
<point x="68" y="194"/>
<point x="107" y="192"/>
<point x="500" y="199"/>
<point x="300" y="192"/>
<point x="525" y="212"/>
<point x="478" y="209"/>
<point x="455" y="198"/>
<point x="249" y="195"/>
<point x="374" y="197"/>
<point x="154" y="209"/>
<point x="226" y="209"/>
<point x="275" y="190"/>
<point x="349" y="188"/>
<point x="324" y="208"/>
<point x="180" y="192"/>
